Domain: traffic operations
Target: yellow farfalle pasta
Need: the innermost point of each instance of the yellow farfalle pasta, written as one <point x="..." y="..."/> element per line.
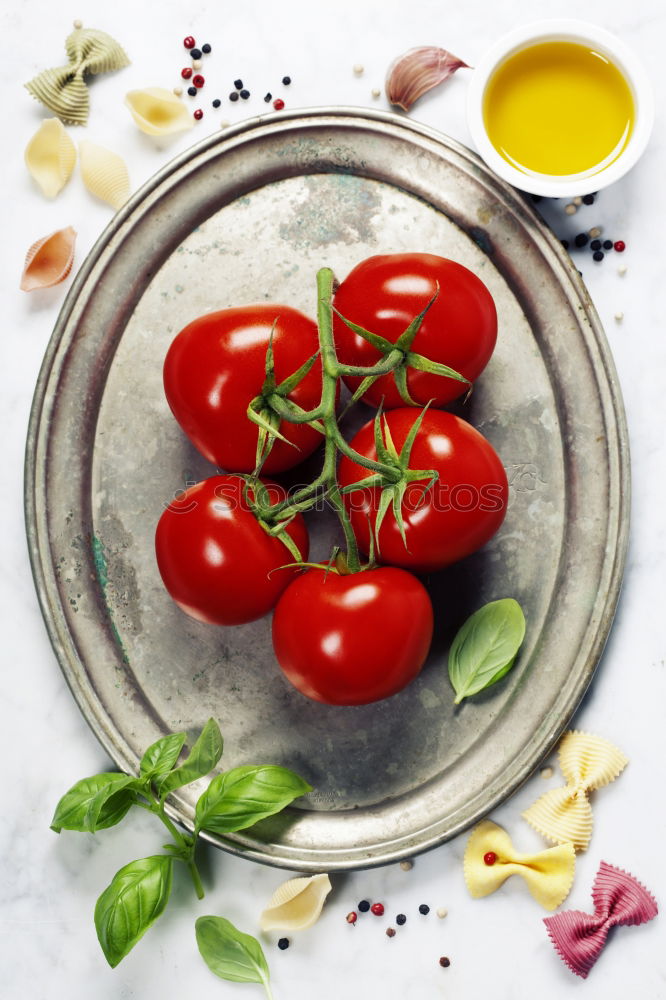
<point x="157" y="111"/>
<point x="50" y="157"/>
<point x="49" y="260"/>
<point x="588" y="762"/>
<point x="296" y="904"/>
<point x="490" y="859"/>
<point x="104" y="173"/>
<point x="63" y="90"/>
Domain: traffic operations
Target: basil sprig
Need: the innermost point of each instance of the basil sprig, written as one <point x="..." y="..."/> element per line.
<point x="234" y="800"/>
<point x="485" y="648"/>
<point x="230" y="954"/>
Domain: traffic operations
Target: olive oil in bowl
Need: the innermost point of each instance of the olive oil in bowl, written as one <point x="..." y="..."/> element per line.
<point x="558" y="108"/>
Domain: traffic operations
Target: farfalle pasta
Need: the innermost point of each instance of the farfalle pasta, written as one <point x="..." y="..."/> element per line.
<point x="564" y="815"/>
<point x="50" y="157"/>
<point x="296" y="904"/>
<point x="63" y="90"/>
<point x="49" y="260"/>
<point x="157" y="111"/>
<point x="490" y="859"/>
<point x="104" y="173"/>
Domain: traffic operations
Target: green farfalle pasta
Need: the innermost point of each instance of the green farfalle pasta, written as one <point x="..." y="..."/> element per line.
<point x="63" y="90"/>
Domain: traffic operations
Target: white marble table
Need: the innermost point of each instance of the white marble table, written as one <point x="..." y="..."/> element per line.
<point x="497" y="946"/>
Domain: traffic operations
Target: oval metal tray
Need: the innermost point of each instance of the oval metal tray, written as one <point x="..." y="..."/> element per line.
<point x="250" y="214"/>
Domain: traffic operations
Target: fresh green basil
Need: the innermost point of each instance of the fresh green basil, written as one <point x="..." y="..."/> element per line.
<point x="161" y="756"/>
<point x="230" y="954"/>
<point x="132" y="902"/>
<point x="244" y="795"/>
<point x="485" y="648"/>
<point x="94" y="803"/>
<point x="201" y="760"/>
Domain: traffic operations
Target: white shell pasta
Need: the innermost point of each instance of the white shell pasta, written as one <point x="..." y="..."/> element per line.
<point x="296" y="904"/>
<point x="104" y="174"/>
<point x="157" y="111"/>
<point x="49" y="260"/>
<point x="50" y="157"/>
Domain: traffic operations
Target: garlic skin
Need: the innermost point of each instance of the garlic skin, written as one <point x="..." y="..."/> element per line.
<point x="417" y="71"/>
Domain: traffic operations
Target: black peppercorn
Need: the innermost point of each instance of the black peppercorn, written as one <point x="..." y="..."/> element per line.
<point x="597" y="255"/>
<point x="238" y="84"/>
<point x="268" y="97"/>
<point x="233" y="96"/>
<point x="195" y="53"/>
<point x="444" y="962"/>
<point x="595" y="245"/>
<point x="364" y="906"/>
<point x="424" y="908"/>
<point x="607" y="244"/>
<point x="192" y="91"/>
<point x="401" y="919"/>
<point x="588" y="199"/>
<point x="565" y="244"/>
<point x="286" y="80"/>
<point x="217" y="102"/>
<point x="245" y="94"/>
<point x="206" y="48"/>
<point x="283" y="944"/>
<point x="581" y="240"/>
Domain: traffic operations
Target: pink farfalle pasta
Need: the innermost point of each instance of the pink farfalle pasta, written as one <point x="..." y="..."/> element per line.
<point x="618" y="898"/>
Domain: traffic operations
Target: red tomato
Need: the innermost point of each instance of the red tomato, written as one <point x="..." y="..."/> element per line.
<point x="350" y="640"/>
<point x="216" y="560"/>
<point x="216" y="366"/>
<point x="460" y="512"/>
<point x="383" y="294"/>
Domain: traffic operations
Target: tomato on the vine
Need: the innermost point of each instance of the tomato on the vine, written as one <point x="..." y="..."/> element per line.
<point x="460" y="511"/>
<point x="216" y="366"/>
<point x="352" y="639"/>
<point x="383" y="294"/>
<point x="216" y="560"/>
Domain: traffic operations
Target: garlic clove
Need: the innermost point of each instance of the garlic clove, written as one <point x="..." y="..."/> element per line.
<point x="417" y="71"/>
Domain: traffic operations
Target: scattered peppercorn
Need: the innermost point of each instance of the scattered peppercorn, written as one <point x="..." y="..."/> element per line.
<point x="607" y="244"/>
<point x="268" y="97"/>
<point x="195" y="53"/>
<point x="364" y="906"/>
<point x="622" y="270"/>
<point x="198" y="114"/>
<point x="233" y="96"/>
<point x="401" y="919"/>
<point x="424" y="908"/>
<point x="577" y="202"/>
<point x="442" y="912"/>
<point x="547" y="772"/>
<point x="286" y="80"/>
<point x="186" y="72"/>
<point x="358" y="70"/>
<point x="198" y="80"/>
<point x="206" y="49"/>
<point x="351" y="917"/>
<point x="189" y="42"/>
<point x="245" y="94"/>
<point x="283" y="944"/>
<point x="390" y="932"/>
<point x="376" y="92"/>
<point x="406" y="865"/>
<point x="588" y="199"/>
<point x="594" y="232"/>
<point x="619" y="246"/>
<point x="178" y="91"/>
<point x="598" y="255"/>
<point x="444" y="962"/>
<point x="278" y="104"/>
<point x="570" y="209"/>
<point x="489" y="858"/>
<point x="565" y="244"/>
<point x="581" y="239"/>
<point x="217" y="102"/>
<point x="238" y="84"/>
<point x="595" y="245"/>
<point x="192" y="91"/>
<point x="377" y="909"/>
<point x="536" y="198"/>
<point x="197" y="64"/>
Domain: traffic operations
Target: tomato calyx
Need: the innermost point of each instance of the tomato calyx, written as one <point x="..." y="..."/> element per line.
<point x="393" y="492"/>
<point x="398" y="357"/>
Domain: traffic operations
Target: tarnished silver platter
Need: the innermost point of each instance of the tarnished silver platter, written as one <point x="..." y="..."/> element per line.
<point x="249" y="215"/>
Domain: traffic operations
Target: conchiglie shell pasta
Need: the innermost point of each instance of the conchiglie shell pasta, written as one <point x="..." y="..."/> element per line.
<point x="157" y="111"/>
<point x="49" y="260"/>
<point x="296" y="904"/>
<point x="104" y="174"/>
<point x="50" y="157"/>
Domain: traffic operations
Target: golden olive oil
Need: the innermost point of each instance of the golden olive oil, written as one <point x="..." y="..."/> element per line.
<point x="558" y="108"/>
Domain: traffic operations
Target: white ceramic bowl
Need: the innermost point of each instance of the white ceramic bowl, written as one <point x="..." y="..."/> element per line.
<point x="566" y="30"/>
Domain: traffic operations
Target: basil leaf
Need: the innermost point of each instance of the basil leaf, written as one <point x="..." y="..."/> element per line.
<point x="244" y="795"/>
<point x="485" y="648"/>
<point x="202" y="758"/>
<point x="132" y="902"/>
<point x="230" y="954"/>
<point x="162" y="755"/>
<point x="94" y="803"/>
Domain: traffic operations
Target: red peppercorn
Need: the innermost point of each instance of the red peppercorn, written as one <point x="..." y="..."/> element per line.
<point x="198" y="114"/>
<point x="377" y="909"/>
<point x="490" y="858"/>
<point x="189" y="42"/>
<point x="352" y="917"/>
<point x="198" y="80"/>
<point x="278" y="104"/>
<point x="620" y="246"/>
<point x="186" y="72"/>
